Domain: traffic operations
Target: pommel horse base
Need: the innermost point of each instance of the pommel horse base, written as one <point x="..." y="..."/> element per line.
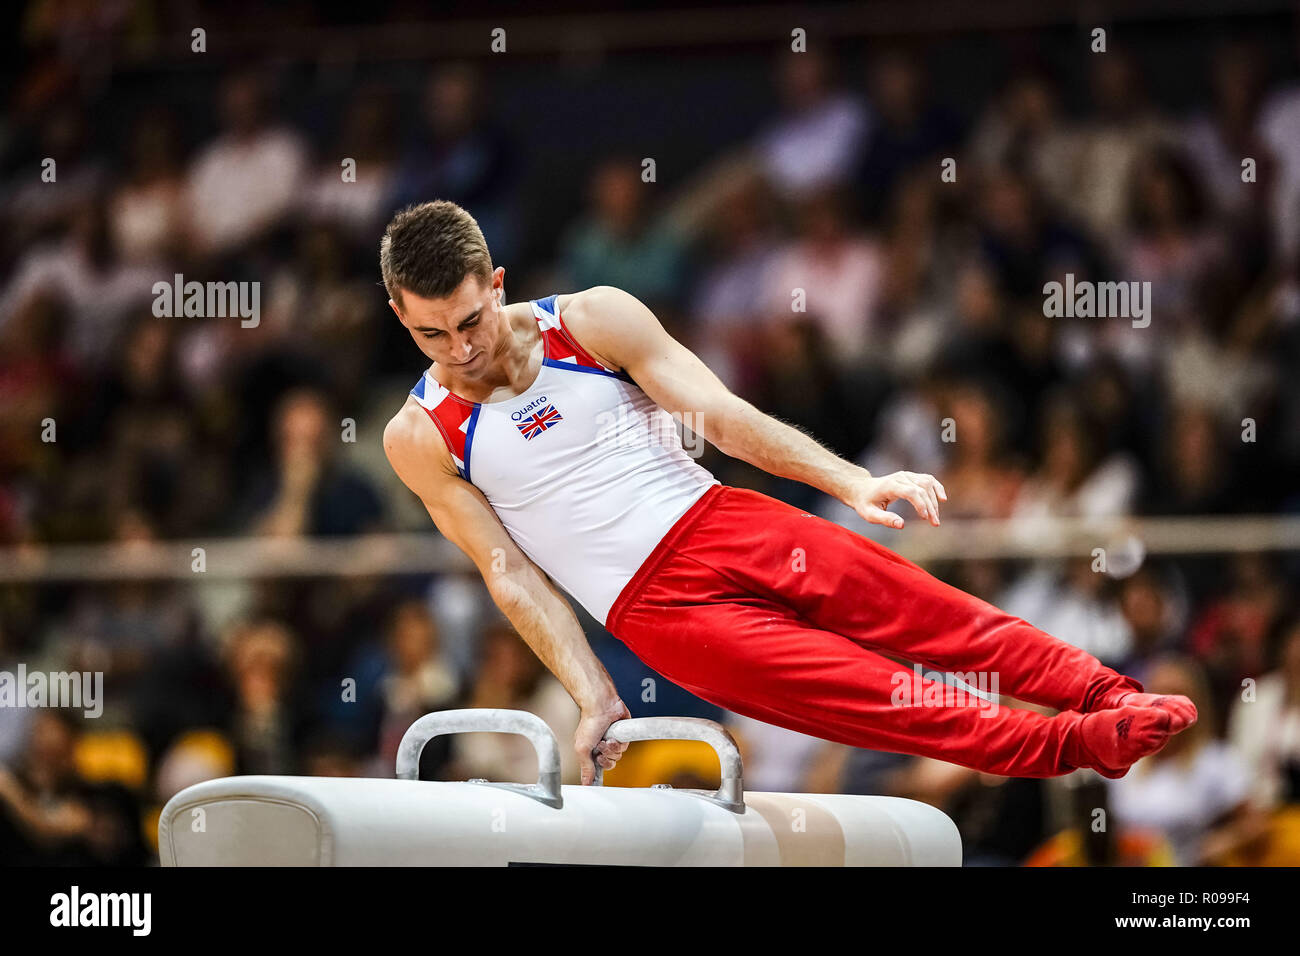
<point x="344" y="821"/>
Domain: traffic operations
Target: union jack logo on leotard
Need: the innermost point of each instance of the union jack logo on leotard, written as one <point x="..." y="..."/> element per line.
<point x="538" y="422"/>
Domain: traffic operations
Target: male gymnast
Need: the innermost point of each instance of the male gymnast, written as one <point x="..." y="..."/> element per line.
<point x="535" y="439"/>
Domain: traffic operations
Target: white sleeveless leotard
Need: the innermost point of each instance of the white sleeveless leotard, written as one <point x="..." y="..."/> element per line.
<point x="585" y="472"/>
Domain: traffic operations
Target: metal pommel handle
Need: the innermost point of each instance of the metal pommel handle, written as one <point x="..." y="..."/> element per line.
<point x="732" y="792"/>
<point x="491" y="720"/>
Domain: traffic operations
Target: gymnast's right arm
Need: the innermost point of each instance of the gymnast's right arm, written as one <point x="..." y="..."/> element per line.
<point x="521" y="590"/>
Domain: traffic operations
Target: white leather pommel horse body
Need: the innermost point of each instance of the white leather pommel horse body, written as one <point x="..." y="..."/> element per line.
<point x="347" y="821"/>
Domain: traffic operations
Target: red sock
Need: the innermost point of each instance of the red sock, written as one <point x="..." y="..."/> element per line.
<point x="1110" y="741"/>
<point x="1180" y="708"/>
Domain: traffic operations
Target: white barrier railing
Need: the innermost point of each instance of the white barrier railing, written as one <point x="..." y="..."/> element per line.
<point x="417" y="553"/>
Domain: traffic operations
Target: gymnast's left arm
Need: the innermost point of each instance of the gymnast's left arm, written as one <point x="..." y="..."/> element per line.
<point x="620" y="331"/>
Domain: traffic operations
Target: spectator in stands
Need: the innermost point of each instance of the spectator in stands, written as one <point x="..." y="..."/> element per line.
<point x="147" y="209"/>
<point x="360" y="204"/>
<point x="1194" y="472"/>
<point x="459" y="153"/>
<point x="1264" y="727"/>
<point x="81" y="271"/>
<point x="265" y="724"/>
<point x="1232" y="635"/>
<point x="146" y="430"/>
<point x="1023" y="241"/>
<point x="1279" y="129"/>
<point x="35" y="373"/>
<point x="981" y="478"/>
<point x="1075" y="479"/>
<point x="1195" y="791"/>
<point x="1171" y="244"/>
<point x="833" y="272"/>
<point x="1074" y="602"/>
<point x="820" y="134"/>
<point x="1121" y="127"/>
<point x="45" y="814"/>
<point x="1155" y="619"/>
<point x="244" y="182"/>
<point x="1217" y="139"/>
<point x="309" y="491"/>
<point x="1022" y="131"/>
<point x="33" y="211"/>
<point x="621" y="242"/>
<point x="909" y="130"/>
<point x="318" y="309"/>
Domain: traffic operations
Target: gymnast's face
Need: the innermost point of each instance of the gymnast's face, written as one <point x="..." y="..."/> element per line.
<point x="464" y="332"/>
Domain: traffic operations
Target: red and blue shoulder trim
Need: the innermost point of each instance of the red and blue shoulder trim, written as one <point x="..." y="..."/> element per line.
<point x="562" y="349"/>
<point x="454" y="417"/>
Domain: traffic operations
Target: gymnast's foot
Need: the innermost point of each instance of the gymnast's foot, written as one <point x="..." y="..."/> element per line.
<point x="1181" y="710"/>
<point x="1110" y="741"/>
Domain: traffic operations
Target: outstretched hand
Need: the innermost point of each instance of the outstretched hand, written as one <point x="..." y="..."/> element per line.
<point x="873" y="496"/>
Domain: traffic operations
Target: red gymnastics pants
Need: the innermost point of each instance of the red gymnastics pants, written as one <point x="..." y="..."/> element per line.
<point x="773" y="613"/>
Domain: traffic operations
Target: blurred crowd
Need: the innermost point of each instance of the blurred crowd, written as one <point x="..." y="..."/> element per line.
<point x="920" y="300"/>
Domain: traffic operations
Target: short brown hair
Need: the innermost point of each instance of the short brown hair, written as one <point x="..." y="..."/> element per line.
<point x="430" y="248"/>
